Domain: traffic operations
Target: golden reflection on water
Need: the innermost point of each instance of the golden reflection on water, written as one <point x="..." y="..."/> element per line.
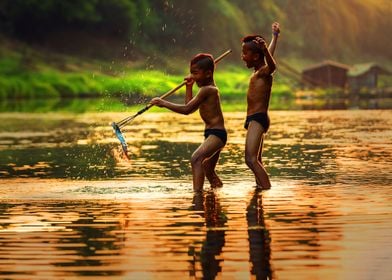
<point x="180" y="238"/>
<point x="291" y="231"/>
<point x="327" y="216"/>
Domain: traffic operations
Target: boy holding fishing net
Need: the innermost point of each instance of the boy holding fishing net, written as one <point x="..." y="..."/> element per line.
<point x="207" y="100"/>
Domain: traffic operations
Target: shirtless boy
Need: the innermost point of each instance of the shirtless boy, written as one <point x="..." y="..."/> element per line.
<point x="207" y="100"/>
<point x="256" y="55"/>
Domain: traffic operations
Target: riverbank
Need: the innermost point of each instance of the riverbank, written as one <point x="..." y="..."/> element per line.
<point x="29" y="74"/>
<point x="32" y="80"/>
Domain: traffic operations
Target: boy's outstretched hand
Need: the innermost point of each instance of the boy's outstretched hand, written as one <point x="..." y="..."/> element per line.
<point x="276" y="28"/>
<point x="157" y="101"/>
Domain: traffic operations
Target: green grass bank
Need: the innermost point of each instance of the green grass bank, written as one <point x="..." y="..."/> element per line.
<point x="29" y="75"/>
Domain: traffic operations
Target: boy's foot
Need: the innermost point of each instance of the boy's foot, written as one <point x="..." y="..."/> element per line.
<point x="216" y="182"/>
<point x="198" y="191"/>
<point x="260" y="187"/>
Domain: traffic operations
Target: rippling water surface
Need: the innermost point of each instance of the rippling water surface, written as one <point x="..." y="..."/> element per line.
<point x="72" y="207"/>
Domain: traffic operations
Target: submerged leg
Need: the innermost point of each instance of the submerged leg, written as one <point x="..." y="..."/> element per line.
<point x="206" y="150"/>
<point x="253" y="148"/>
<point x="259" y="157"/>
<point x="209" y="169"/>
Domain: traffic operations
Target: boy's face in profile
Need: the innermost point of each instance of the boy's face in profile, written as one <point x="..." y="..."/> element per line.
<point x="200" y="76"/>
<point x="248" y="55"/>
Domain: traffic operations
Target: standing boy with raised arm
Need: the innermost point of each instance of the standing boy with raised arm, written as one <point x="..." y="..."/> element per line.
<point x="256" y="55"/>
<point x="207" y="100"/>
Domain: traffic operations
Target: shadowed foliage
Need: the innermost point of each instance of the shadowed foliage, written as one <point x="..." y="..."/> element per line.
<point x="311" y="28"/>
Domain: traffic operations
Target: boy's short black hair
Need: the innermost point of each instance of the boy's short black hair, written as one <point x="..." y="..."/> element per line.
<point x="204" y="61"/>
<point x="251" y="39"/>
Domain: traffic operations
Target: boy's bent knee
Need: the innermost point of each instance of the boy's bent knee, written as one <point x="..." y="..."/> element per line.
<point x="196" y="160"/>
<point x="251" y="160"/>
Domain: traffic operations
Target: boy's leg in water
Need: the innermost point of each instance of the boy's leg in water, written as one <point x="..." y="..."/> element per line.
<point x="253" y="145"/>
<point x="260" y="154"/>
<point x="209" y="165"/>
<point x="206" y="150"/>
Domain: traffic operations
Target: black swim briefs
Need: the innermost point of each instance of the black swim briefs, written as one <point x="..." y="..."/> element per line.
<point x="261" y="118"/>
<point x="221" y="133"/>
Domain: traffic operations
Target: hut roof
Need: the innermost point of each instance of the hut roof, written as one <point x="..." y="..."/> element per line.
<point x="327" y="63"/>
<point x="359" y="69"/>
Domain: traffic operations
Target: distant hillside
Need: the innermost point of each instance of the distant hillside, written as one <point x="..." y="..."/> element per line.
<point x="350" y="31"/>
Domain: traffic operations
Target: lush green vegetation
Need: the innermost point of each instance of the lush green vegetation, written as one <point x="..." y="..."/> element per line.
<point x="26" y="79"/>
<point x="32" y="77"/>
<point x="326" y="29"/>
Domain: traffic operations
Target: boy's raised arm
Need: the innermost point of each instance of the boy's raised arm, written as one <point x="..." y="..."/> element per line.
<point x="269" y="59"/>
<point x="275" y="36"/>
<point x="271" y="64"/>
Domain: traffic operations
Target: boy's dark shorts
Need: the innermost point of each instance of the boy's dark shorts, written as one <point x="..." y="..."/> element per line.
<point x="261" y="118"/>
<point x="221" y="133"/>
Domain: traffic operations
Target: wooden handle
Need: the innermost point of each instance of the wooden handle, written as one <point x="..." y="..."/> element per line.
<point x="219" y="58"/>
<point x="173" y="90"/>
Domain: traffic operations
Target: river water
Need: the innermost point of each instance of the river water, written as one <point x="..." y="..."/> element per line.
<point x="72" y="207"/>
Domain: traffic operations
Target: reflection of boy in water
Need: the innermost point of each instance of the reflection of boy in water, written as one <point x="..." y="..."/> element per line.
<point x="259" y="240"/>
<point x="256" y="55"/>
<point x="207" y="100"/>
<point x="208" y="206"/>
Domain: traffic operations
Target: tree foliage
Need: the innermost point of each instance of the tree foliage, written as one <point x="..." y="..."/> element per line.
<point x="311" y="28"/>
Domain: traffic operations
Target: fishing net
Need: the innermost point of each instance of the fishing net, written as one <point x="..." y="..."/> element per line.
<point x="121" y="137"/>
